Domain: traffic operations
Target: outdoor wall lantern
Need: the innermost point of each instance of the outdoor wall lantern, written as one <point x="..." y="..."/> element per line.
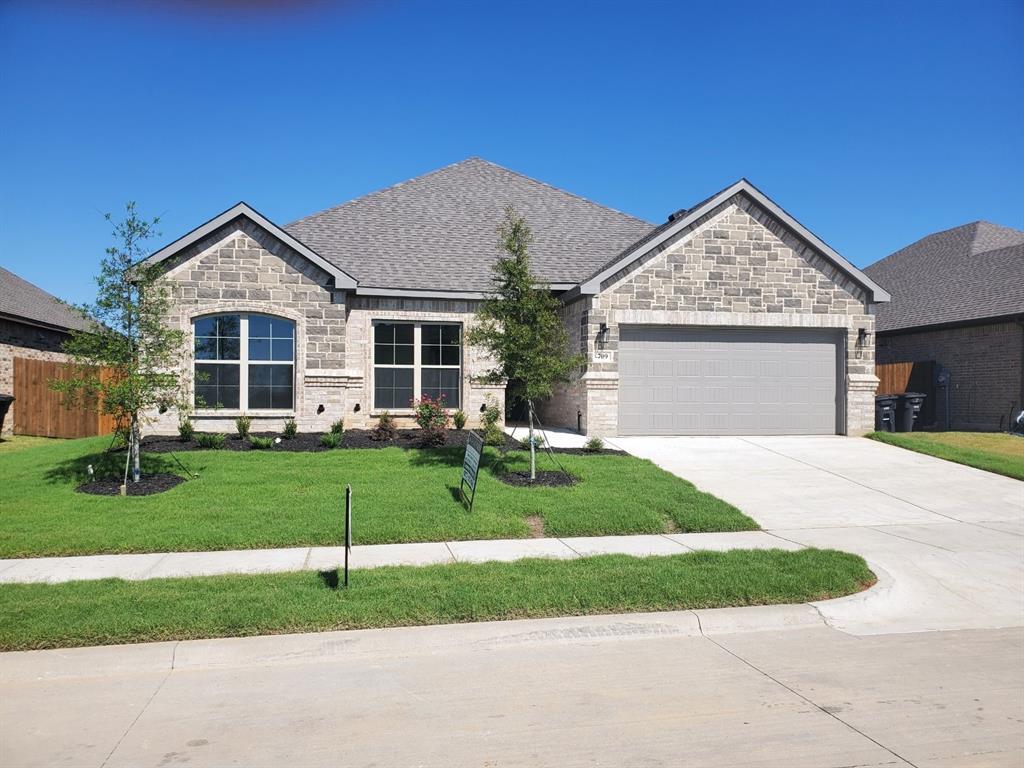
<point x="356" y="409"/>
<point x="602" y="336"/>
<point x="862" y="337"/>
<point x="320" y="408"/>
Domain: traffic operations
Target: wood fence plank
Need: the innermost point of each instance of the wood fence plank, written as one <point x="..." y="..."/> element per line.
<point x="38" y="410"/>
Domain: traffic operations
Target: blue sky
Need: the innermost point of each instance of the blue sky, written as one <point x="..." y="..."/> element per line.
<point x="872" y="123"/>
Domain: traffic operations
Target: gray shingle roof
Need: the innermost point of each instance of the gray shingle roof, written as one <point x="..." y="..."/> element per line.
<point x="20" y="299"/>
<point x="971" y="272"/>
<point x="439" y="231"/>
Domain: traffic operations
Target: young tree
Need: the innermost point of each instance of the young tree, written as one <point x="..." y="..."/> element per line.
<point x="519" y="325"/>
<point x="128" y="336"/>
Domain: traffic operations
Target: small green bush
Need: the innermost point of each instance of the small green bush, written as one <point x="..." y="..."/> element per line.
<point x="242" y="425"/>
<point x="594" y="445"/>
<point x="213" y="441"/>
<point x="260" y="443"/>
<point x="491" y="414"/>
<point x="459" y="419"/>
<point x="330" y="440"/>
<point x="538" y="441"/>
<point x="385" y="429"/>
<point x="186" y="430"/>
<point x="291" y="429"/>
<point x="338" y="427"/>
<point x="493" y="435"/>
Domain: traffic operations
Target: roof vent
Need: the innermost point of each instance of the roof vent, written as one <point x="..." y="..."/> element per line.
<point x="677" y="215"/>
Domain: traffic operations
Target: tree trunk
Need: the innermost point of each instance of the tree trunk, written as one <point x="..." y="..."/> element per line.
<point x="533" y="449"/>
<point x="136" y="449"/>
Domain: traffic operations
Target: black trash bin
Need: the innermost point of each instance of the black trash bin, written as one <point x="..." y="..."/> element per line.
<point x="5" y="406"/>
<point x="885" y="413"/>
<point x="909" y="411"/>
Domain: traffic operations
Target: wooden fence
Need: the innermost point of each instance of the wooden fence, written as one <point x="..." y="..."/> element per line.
<point x="38" y="410"/>
<point x="897" y="378"/>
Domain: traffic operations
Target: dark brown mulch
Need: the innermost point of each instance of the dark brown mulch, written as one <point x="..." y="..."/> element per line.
<point x="583" y="452"/>
<point x="546" y="478"/>
<point x="310" y="441"/>
<point x="147" y="485"/>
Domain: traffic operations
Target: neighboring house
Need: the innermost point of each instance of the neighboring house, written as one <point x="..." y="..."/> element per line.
<point x="959" y="301"/>
<point x="33" y="325"/>
<point x="730" y="318"/>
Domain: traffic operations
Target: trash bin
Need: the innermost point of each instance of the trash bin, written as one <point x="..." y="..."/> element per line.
<point x="908" y="411"/>
<point x="885" y="413"/>
<point x="5" y="406"/>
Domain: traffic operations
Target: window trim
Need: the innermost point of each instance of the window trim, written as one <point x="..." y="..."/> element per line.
<point x="243" y="363"/>
<point x="417" y="362"/>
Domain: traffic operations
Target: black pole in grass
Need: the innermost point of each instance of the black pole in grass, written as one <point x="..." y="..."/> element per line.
<point x="348" y="527"/>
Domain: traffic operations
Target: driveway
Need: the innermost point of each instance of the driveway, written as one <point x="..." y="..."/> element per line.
<point x="947" y="541"/>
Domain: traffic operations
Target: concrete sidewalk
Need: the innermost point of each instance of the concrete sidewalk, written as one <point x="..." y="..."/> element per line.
<point x="53" y="570"/>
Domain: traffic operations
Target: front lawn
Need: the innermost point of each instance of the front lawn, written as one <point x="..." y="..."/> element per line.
<point x="260" y="499"/>
<point x="992" y="451"/>
<point x="112" y="611"/>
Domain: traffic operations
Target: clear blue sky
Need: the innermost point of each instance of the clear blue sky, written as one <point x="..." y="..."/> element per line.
<point x="873" y="123"/>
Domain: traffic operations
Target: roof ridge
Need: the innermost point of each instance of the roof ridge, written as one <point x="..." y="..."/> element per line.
<point x="380" y="191"/>
<point x="470" y="159"/>
<point x="559" y="189"/>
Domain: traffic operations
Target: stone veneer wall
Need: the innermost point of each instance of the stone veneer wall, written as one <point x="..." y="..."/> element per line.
<point x="364" y="310"/>
<point x="736" y="266"/>
<point x="240" y="268"/>
<point x="29" y="341"/>
<point x="985" y="365"/>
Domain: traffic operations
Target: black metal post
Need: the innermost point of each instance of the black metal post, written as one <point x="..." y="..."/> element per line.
<point x="348" y="527"/>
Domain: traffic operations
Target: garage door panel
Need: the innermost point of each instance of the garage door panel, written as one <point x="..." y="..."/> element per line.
<point x="727" y="381"/>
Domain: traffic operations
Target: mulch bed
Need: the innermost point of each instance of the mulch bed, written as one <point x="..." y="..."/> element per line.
<point x="147" y="485"/>
<point x="582" y="452"/>
<point x="546" y="478"/>
<point x="310" y="441"/>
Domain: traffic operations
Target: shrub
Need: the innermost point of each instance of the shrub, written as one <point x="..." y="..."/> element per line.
<point x="432" y="418"/>
<point x="330" y="439"/>
<point x="538" y="441"/>
<point x="385" y="429"/>
<point x="260" y="443"/>
<point x="213" y="441"/>
<point x="338" y="427"/>
<point x="493" y="435"/>
<point x="593" y="445"/>
<point x="459" y="419"/>
<point x="242" y="425"/>
<point x="186" y="430"/>
<point x="291" y="429"/>
<point x="491" y="414"/>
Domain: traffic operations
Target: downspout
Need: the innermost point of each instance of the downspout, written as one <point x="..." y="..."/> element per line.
<point x="1017" y="422"/>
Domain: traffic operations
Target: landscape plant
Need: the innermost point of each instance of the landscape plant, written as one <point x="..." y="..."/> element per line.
<point x="385" y="428"/>
<point x="211" y="440"/>
<point x="186" y="430"/>
<point x="242" y="426"/>
<point x="338" y="427"/>
<point x="330" y="439"/>
<point x="291" y="429"/>
<point x="490" y="418"/>
<point x="594" y="445"/>
<point x="260" y="443"/>
<point x="128" y="364"/>
<point x="431" y="417"/>
<point x="459" y="419"/>
<point x="519" y="325"/>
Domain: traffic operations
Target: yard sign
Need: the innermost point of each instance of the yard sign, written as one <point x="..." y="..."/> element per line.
<point x="471" y="466"/>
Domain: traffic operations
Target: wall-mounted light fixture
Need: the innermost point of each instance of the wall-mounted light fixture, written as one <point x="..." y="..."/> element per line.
<point x="602" y="336"/>
<point x="320" y="408"/>
<point x="356" y="409"/>
<point x="862" y="337"/>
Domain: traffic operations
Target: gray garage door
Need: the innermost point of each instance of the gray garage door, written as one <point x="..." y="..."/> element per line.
<point x="727" y="381"/>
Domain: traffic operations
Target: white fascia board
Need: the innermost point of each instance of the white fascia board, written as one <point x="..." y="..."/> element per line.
<point x="342" y="280"/>
<point x="411" y="293"/>
<point x="593" y="285"/>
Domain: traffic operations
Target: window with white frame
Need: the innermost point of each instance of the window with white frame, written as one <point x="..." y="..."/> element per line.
<point x="413" y="360"/>
<point x="244" y="362"/>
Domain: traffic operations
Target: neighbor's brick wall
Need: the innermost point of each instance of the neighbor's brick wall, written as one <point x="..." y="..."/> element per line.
<point x="984" y="362"/>
<point x="240" y="268"/>
<point x="29" y="341"/>
<point x="364" y="310"/>
<point x="735" y="266"/>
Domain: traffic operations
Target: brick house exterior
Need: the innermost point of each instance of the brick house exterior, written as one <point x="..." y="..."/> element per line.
<point x="960" y="303"/>
<point x="367" y="304"/>
<point x="33" y="325"/>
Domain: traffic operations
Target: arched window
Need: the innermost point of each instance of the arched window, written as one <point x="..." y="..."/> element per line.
<point x="244" y="362"/>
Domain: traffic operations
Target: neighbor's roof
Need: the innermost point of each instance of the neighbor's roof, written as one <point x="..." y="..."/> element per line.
<point x="972" y="272"/>
<point x="439" y="231"/>
<point x="21" y="300"/>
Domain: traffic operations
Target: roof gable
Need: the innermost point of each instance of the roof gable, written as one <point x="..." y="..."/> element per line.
<point x="681" y="221"/>
<point x="438" y="232"/>
<point x="971" y="272"/>
<point x="342" y="279"/>
<point x="21" y="300"/>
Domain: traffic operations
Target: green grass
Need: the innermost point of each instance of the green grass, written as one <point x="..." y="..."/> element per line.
<point x="13" y="443"/>
<point x="265" y="499"/>
<point x="112" y="611"/>
<point x="992" y="451"/>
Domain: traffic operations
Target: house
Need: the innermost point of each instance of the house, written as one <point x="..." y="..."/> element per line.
<point x="33" y="326"/>
<point x="959" y="301"/>
<point x="729" y="318"/>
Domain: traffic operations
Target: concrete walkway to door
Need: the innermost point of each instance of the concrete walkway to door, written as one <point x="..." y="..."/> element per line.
<point x="947" y="541"/>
